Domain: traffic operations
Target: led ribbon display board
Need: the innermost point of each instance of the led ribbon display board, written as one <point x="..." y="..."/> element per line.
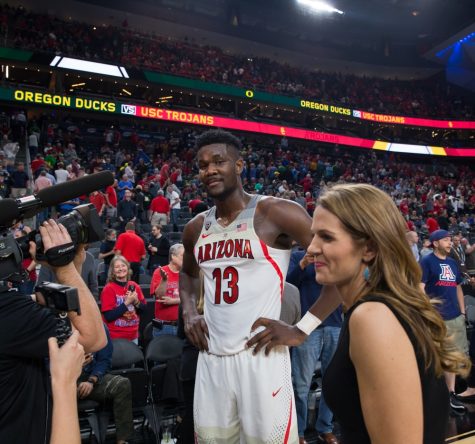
<point x="228" y="90"/>
<point x="147" y="112"/>
<point x="295" y="102"/>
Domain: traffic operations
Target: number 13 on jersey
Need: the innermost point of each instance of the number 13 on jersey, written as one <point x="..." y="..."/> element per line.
<point x="226" y="285"/>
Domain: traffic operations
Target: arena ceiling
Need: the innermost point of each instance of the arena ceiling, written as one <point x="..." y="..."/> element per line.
<point x="370" y="31"/>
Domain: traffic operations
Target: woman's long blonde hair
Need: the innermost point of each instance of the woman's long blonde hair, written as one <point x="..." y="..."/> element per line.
<point x="369" y="215"/>
<point x="110" y="273"/>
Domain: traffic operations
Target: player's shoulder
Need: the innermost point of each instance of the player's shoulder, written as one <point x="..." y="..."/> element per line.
<point x="272" y="203"/>
<point x="193" y="228"/>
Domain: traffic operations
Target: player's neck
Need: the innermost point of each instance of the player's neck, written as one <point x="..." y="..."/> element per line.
<point x="228" y="209"/>
<point x="440" y="255"/>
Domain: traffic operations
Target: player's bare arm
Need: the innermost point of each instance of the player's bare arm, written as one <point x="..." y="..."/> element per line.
<point x="278" y="223"/>
<point x="195" y="325"/>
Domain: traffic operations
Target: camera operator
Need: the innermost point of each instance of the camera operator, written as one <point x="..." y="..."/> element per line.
<point x="65" y="367"/>
<point x="26" y="327"/>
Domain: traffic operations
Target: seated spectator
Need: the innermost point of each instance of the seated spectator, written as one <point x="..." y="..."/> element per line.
<point x="165" y="289"/>
<point x="107" y="248"/>
<point x="122" y="301"/>
<point x="158" y="249"/>
<point x="97" y="384"/>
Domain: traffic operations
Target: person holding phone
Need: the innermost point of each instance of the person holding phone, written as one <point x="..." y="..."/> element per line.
<point x="165" y="288"/>
<point x="122" y="301"/>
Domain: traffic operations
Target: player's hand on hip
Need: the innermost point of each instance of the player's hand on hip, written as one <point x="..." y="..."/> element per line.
<point x="275" y="333"/>
<point x="197" y="331"/>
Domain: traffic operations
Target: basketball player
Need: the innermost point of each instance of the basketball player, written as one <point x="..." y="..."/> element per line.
<point x="242" y="245"/>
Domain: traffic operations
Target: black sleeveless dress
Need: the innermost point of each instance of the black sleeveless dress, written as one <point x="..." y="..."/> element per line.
<point x="340" y="388"/>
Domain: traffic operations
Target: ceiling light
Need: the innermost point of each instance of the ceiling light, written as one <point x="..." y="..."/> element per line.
<point x="126" y="92"/>
<point x="78" y="84"/>
<point x="319" y="6"/>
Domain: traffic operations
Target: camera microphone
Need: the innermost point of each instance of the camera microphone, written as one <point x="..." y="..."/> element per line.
<point x="28" y="206"/>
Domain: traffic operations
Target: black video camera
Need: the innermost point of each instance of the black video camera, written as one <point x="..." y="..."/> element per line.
<point x="82" y="223"/>
<point x="60" y="299"/>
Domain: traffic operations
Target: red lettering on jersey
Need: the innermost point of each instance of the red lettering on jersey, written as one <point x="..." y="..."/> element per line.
<point x="445" y="284"/>
<point x="229" y="248"/>
<point x="247" y="250"/>
<point x="238" y="248"/>
<point x="220" y="250"/>
<point x="207" y="252"/>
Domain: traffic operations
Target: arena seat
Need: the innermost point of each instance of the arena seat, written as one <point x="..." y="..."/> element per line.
<point x="128" y="361"/>
<point x="88" y="411"/>
<point x="162" y="358"/>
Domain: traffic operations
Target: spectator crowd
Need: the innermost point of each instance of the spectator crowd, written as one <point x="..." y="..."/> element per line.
<point x="39" y="32"/>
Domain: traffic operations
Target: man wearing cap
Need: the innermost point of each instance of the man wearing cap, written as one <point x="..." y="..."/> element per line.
<point x="441" y="279"/>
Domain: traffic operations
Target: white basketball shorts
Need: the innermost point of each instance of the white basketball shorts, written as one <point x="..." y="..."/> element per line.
<point x="244" y="398"/>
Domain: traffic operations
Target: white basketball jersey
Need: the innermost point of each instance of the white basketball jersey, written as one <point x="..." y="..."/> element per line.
<point x="243" y="279"/>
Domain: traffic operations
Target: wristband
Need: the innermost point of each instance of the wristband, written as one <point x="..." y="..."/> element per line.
<point x="92" y="381"/>
<point x="308" y="323"/>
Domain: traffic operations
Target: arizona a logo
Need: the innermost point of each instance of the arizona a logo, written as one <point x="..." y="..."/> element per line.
<point x="446" y="273"/>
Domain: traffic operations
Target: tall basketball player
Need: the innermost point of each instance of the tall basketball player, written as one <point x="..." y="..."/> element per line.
<point x="242" y="245"/>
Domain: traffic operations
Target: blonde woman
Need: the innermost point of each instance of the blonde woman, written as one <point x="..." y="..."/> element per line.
<point x="122" y="301"/>
<point x="385" y="383"/>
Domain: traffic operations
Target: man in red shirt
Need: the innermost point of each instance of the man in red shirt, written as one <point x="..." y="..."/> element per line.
<point x="132" y="247"/>
<point x="432" y="224"/>
<point x="196" y="205"/>
<point x="37" y="163"/>
<point x="99" y="201"/>
<point x="165" y="288"/>
<point x="111" y="200"/>
<point x="160" y="210"/>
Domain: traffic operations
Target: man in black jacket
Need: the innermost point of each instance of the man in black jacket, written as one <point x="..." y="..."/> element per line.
<point x="25" y="410"/>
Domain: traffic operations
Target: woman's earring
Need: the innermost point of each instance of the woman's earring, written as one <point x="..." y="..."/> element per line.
<point x="366" y="274"/>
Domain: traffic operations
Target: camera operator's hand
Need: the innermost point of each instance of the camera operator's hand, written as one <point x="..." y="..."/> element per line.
<point x="89" y="324"/>
<point x="66" y="362"/>
<point x="65" y="367"/>
<point x="54" y="235"/>
<point x="79" y="258"/>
